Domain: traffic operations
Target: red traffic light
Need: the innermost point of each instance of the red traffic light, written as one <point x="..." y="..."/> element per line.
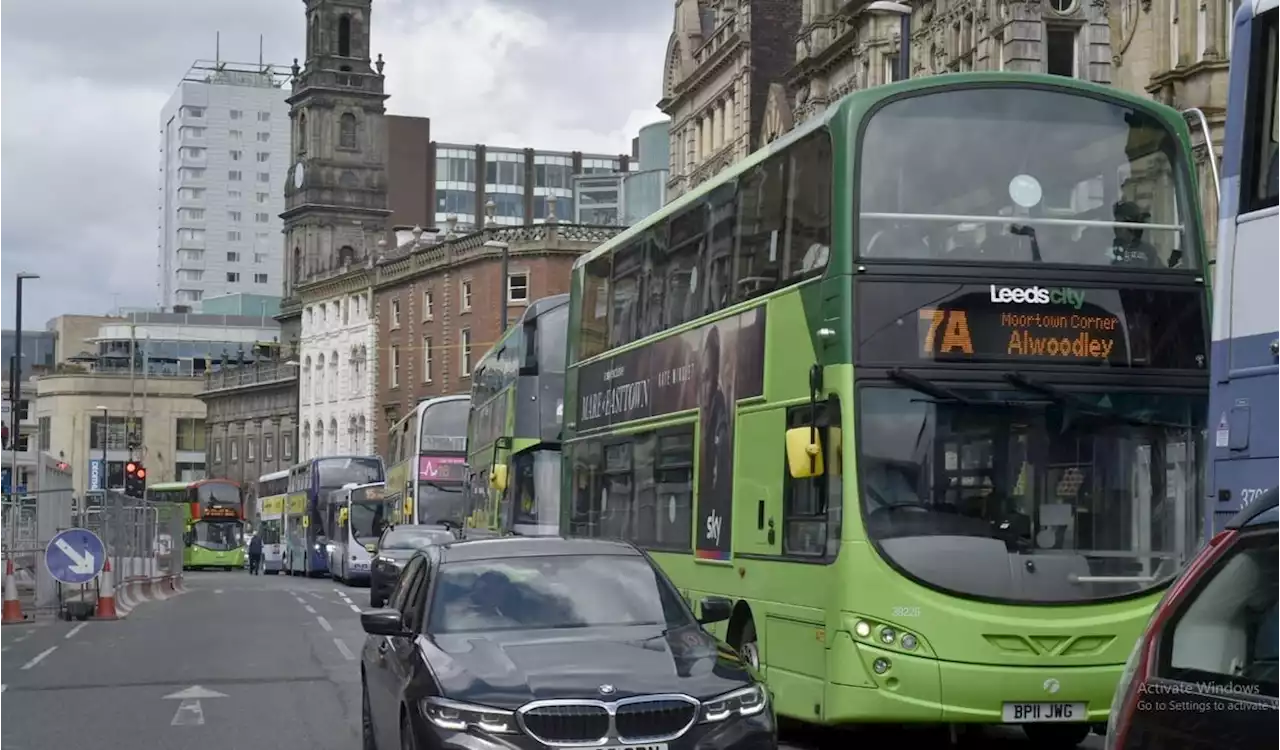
<point x="142" y="473"/>
<point x="130" y="467"/>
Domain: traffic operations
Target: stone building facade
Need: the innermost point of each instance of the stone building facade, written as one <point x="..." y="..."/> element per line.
<point x="336" y="207"/>
<point x="337" y="356"/>
<point x="251" y="418"/>
<point x="437" y="305"/>
<point x="722" y="60"/>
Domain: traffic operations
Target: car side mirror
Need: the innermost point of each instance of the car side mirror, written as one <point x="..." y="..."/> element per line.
<point x="382" y="622"/>
<point x="715" y="609"/>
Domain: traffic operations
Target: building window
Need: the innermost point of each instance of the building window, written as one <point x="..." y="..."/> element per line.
<point x="235" y="135"/>
<point x="347" y="131"/>
<point x="24" y="410"/>
<point x="236" y="154"/>
<point x="234" y="216"/>
<point x="264" y="117"/>
<point x="188" y="471"/>
<point x="264" y="177"/>
<point x="286" y="447"/>
<point x="395" y="313"/>
<point x="233" y="450"/>
<point x="344" y="35"/>
<point x="189" y="435"/>
<point x="234" y="175"/>
<point x="195" y="113"/>
<point x="250" y="449"/>
<point x="268" y="447"/>
<point x="263" y="158"/>
<point x="232" y="277"/>
<point x="466" y="295"/>
<point x="518" y="287"/>
<point x="428" y="309"/>
<point x="120" y="433"/>
<point x="395" y="367"/>
<point x="236" y="114"/>
<point x="260" y="258"/>
<point x="426" y="359"/>
<point x="465" y="337"/>
<point x="217" y="451"/>
<point x="233" y="235"/>
<point x="45" y="441"/>
<point x="264" y="137"/>
<point x="262" y="218"/>
<point x="1060" y="50"/>
<point x="233" y="257"/>
<point x="259" y="278"/>
<point x="264" y="197"/>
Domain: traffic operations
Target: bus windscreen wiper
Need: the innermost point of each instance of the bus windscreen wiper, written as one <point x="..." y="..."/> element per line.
<point x="443" y="488"/>
<point x="928" y="387"/>
<point x="1070" y="399"/>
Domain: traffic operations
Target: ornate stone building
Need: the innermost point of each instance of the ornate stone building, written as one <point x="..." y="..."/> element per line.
<point x="336" y="195"/>
<point x="1178" y="50"/>
<point x="723" y="58"/>
<point x="437" y="304"/>
<point x="251" y="417"/>
<point x="842" y="47"/>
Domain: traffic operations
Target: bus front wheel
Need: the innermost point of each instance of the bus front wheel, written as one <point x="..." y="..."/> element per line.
<point x="1056" y="736"/>
<point x="750" y="646"/>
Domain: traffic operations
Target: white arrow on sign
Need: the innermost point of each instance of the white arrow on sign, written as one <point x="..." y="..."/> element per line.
<point x="80" y="564"/>
<point x="189" y="712"/>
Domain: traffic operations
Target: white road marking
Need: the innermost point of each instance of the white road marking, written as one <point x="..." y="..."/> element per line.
<point x="356" y="609"/>
<point x="310" y="610"/>
<point x="346" y="652"/>
<point x="22" y="637"/>
<point x="217" y="591"/>
<point x="6" y="648"/>
<point x="75" y="630"/>
<point x="300" y="600"/>
<point x="316" y="594"/>
<point x="39" y="657"/>
<point x="189" y="713"/>
<point x="325" y="624"/>
<point x="3" y="688"/>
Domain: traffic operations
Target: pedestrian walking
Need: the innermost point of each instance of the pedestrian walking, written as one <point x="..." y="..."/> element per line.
<point x="255" y="555"/>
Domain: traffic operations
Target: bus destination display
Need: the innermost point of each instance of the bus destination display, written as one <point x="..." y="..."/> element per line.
<point x="1031" y="323"/>
<point x="221" y="511"/>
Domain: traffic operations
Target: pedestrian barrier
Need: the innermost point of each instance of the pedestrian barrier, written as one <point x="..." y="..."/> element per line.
<point x="106" y="594"/>
<point x="12" y="606"/>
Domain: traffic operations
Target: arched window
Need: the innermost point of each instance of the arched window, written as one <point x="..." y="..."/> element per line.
<point x="297" y="265"/>
<point x="333" y="376"/>
<point x="333" y="433"/>
<point x="302" y="133"/>
<point x="319" y="446"/>
<point x="346" y="255"/>
<point x="306" y="379"/>
<point x="306" y="439"/>
<point x="344" y="35"/>
<point x="347" y="131"/>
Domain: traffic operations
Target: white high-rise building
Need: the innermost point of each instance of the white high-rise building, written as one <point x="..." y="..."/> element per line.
<point x="224" y="158"/>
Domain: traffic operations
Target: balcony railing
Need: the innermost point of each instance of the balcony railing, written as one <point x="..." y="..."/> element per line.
<point x="239" y="376"/>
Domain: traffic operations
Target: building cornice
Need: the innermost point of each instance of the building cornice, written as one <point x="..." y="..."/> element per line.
<point x="333" y="284"/>
<point x="720" y="59"/>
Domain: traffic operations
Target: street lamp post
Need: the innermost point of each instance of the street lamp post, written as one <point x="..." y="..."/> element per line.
<point x="15" y="388"/>
<point x="903" y="12"/>
<point x="506" y="262"/>
<point x="106" y="435"/>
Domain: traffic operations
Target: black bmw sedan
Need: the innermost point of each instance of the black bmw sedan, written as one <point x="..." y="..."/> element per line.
<point x="541" y="642"/>
<point x="396" y="545"/>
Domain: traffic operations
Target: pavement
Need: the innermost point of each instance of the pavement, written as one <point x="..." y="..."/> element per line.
<point x="237" y="662"/>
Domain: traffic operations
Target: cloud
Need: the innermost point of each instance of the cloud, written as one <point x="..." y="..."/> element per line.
<point x="79" y="137"/>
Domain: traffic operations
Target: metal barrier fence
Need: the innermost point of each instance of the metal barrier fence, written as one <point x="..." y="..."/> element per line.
<point x="30" y="523"/>
<point x="143" y="539"/>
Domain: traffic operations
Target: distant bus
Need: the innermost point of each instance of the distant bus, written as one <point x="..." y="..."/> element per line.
<point x="426" y="453"/>
<point x="310" y="482"/>
<point x="355" y="518"/>
<point x="513" y="430"/>
<point x="213" y="535"/>
<point x="273" y="492"/>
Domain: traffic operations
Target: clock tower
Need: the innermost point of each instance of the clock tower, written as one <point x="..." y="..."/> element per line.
<point x="336" y="194"/>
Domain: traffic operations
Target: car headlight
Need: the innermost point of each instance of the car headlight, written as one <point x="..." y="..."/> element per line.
<point x="747" y="701"/>
<point x="460" y="717"/>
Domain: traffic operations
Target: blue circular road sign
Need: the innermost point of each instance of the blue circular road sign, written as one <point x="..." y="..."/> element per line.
<point x="75" y="556"/>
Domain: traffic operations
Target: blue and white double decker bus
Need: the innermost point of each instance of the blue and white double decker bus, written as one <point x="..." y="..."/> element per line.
<point x="356" y="517"/>
<point x="311" y="485"/>
<point x="272" y="492"/>
<point x="1246" y="347"/>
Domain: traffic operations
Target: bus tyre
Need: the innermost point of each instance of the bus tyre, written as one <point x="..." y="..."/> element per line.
<point x="750" y="647"/>
<point x="369" y="740"/>
<point x="1056" y="736"/>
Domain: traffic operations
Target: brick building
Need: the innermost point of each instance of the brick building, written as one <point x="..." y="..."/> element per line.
<point x="437" y="311"/>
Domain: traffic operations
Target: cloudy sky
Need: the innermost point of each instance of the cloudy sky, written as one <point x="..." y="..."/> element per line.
<point x="83" y="82"/>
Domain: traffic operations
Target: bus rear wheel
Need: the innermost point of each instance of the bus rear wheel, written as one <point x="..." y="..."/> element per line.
<point x="750" y="646"/>
<point x="1056" y="736"/>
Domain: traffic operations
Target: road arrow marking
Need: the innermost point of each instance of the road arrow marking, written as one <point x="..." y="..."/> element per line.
<point x="195" y="692"/>
<point x="80" y="564"/>
<point x="190" y="713"/>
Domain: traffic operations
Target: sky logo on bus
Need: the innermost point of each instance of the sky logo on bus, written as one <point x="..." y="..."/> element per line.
<point x="1038" y="295"/>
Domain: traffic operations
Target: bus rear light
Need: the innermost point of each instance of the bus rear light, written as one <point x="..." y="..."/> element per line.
<point x="1138" y="670"/>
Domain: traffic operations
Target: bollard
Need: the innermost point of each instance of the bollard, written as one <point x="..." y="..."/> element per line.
<point x="106" y="593"/>
<point x="12" y="606"/>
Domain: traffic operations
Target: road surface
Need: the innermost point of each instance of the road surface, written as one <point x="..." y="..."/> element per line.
<point x="236" y="663"/>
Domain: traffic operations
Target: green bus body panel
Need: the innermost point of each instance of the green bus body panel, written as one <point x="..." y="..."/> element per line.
<point x="972" y="655"/>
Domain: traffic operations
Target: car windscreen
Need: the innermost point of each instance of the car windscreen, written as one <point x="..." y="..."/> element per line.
<point x="408" y="538"/>
<point x="553" y="592"/>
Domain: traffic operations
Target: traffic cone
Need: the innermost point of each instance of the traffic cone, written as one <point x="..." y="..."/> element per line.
<point x="12" y="607"/>
<point x="106" y="593"/>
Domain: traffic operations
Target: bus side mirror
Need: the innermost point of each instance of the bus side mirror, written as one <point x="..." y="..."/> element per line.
<point x="804" y="453"/>
<point x="498" y="477"/>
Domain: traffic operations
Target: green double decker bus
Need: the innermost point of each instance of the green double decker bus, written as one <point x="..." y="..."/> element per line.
<point x="921" y="388"/>
<point x="213" y="533"/>
<point x="513" y="429"/>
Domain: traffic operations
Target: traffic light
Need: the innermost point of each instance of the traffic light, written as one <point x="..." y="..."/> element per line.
<point x="135" y="479"/>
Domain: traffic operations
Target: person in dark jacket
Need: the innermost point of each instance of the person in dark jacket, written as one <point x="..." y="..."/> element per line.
<point x="255" y="555"/>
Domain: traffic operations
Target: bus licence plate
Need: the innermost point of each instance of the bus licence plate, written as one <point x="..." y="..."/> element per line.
<point x="1024" y="713"/>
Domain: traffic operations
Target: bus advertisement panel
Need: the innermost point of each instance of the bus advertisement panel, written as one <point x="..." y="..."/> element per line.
<point x="942" y="450"/>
